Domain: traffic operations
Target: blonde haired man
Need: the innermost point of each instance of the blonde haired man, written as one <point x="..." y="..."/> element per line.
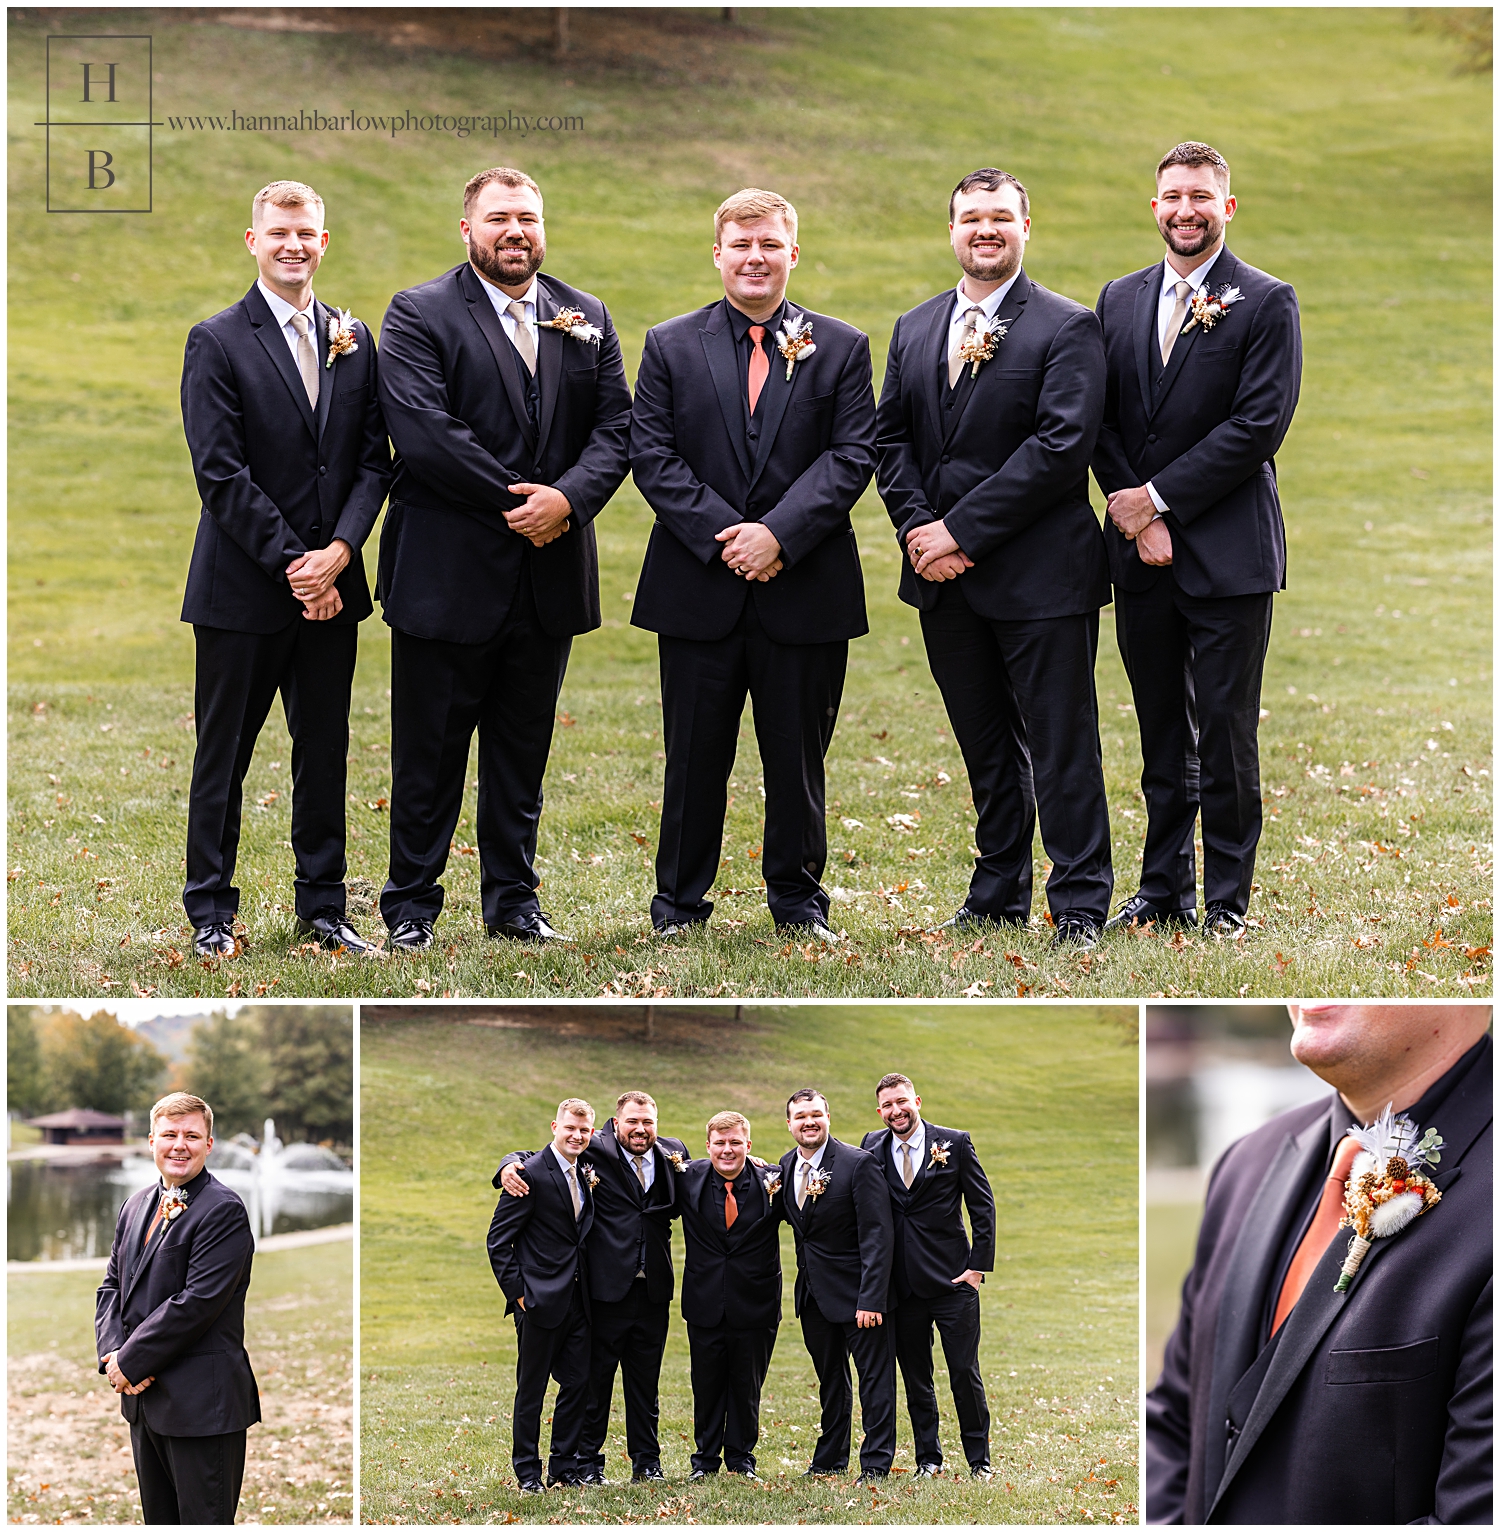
<point x="169" y="1323"/>
<point x="752" y="436"/>
<point x="292" y="465"/>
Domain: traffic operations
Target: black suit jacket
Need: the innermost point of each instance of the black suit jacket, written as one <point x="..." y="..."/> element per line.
<point x="1372" y="1405"/>
<point x="814" y="457"/>
<point x="932" y="1245"/>
<point x="276" y="477"/>
<point x="451" y="388"/>
<point x="731" y="1277"/>
<point x="536" y="1245"/>
<point x="1204" y="430"/>
<point x="628" y="1228"/>
<point x="1003" y="458"/>
<point x="845" y="1239"/>
<point x="178" y="1314"/>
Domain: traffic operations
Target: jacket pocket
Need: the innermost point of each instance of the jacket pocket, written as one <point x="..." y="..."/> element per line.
<point x="1385" y="1364"/>
<point x="817" y="402"/>
<point x="351" y="398"/>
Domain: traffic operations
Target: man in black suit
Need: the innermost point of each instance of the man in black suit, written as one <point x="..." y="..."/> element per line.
<point x="753" y="436"/>
<point x="991" y="403"/>
<point x="636" y="1197"/>
<point x="835" y="1198"/>
<point x="506" y="400"/>
<point x="290" y="456"/>
<point x="932" y="1174"/>
<point x="1285" y="1400"/>
<point x="731" y="1293"/>
<point x="1204" y="363"/>
<point x="170" y="1315"/>
<point x="536" y="1246"/>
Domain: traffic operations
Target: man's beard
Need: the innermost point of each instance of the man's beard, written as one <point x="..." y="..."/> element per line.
<point x="487" y="262"/>
<point x="630" y="1139"/>
<point x="997" y="268"/>
<point x="1195" y="237"/>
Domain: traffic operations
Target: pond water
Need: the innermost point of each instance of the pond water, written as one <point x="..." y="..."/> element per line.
<point x="59" y="1212"/>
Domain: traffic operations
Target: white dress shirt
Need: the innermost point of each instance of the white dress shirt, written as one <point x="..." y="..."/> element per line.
<point x="1164" y="306"/>
<point x="502" y="304"/>
<point x="917" y="1141"/>
<point x="647" y="1163"/>
<point x="963" y="303"/>
<point x="570" y="1168"/>
<point x="804" y="1162"/>
<point x="282" y="311"/>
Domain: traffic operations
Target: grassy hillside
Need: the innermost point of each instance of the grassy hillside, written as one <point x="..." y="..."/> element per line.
<point x="1375" y="869"/>
<point x="1050" y="1097"/>
<point x="69" y="1449"/>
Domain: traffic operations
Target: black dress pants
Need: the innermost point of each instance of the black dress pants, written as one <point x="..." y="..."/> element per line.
<point x="238" y="675"/>
<point x="1020" y="696"/>
<point x="630" y="1335"/>
<point x="561" y="1353"/>
<point x="956" y="1316"/>
<point x="188" y="1480"/>
<point x="728" y="1368"/>
<point x="795" y="691"/>
<point x="441" y="693"/>
<point x="831" y="1345"/>
<point x="1195" y="665"/>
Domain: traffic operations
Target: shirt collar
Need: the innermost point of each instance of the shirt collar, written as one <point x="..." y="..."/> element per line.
<point x="503" y="301"/>
<point x="1198" y="276"/>
<point x="740" y="322"/>
<point x="281" y="310"/>
<point x="562" y="1159"/>
<point x="917" y="1140"/>
<point x="963" y="303"/>
<point x="816" y="1160"/>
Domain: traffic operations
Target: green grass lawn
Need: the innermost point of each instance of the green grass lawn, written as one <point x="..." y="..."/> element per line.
<point x="1375" y="870"/>
<point x="1171" y="1236"/>
<point x="1049" y="1095"/>
<point x="68" y="1456"/>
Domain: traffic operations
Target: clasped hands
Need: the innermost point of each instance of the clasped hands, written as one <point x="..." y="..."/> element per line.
<point x="1133" y="512"/>
<point x="935" y="554"/>
<point x="542" y="517"/>
<point x="751" y="550"/>
<point x="311" y="578"/>
<point x="117" y="1379"/>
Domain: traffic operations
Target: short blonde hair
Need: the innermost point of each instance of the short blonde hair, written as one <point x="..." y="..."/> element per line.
<point x="722" y="1122"/>
<point x="752" y="203"/>
<point x="577" y="1106"/>
<point x="285" y="194"/>
<point x="180" y="1104"/>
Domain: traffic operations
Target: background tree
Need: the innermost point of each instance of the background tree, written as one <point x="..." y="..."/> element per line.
<point x="94" y="1061"/>
<point x="310" y="1052"/>
<point x="228" y="1066"/>
<point x="25" y="1076"/>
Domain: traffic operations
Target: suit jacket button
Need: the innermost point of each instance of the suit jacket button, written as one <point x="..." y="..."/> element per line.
<point x="323" y="467"/>
<point x="946" y="458"/>
<point x="1151" y="438"/>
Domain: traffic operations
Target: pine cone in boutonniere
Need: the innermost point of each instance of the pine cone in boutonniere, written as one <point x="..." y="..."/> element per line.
<point x="341" y="339"/>
<point x="1387" y="1187"/>
<point x="940" y="1152"/>
<point x="981" y="343"/>
<point x="795" y="342"/>
<point x="1209" y="309"/>
<point x="575" y="323"/>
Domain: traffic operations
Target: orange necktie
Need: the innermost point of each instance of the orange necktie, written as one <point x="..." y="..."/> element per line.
<point x="760" y="364"/>
<point x="1320" y="1232"/>
<point x="731" y="1207"/>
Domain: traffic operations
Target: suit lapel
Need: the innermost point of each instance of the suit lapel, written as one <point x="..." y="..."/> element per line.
<point x="137" y="1234"/>
<point x="1222" y="273"/>
<point x="934" y="353"/>
<point x="549" y="364"/>
<point x="484" y="315"/>
<point x="1008" y="313"/>
<point x="268" y="333"/>
<point x="775" y="394"/>
<point x="789" y="1191"/>
<point x="327" y="381"/>
<point x="1144" y="322"/>
<point x="718" y="347"/>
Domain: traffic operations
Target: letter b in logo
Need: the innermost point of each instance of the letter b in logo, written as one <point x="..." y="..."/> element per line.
<point x="99" y="124"/>
<point x="99" y="162"/>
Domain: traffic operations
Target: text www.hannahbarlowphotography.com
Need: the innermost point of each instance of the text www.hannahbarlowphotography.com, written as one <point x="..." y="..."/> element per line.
<point x="460" y="125"/>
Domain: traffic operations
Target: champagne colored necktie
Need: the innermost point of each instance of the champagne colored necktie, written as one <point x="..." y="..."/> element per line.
<point x="760" y="364"/>
<point x="955" y="359"/>
<point x="731" y="1207"/>
<point x="576" y="1191"/>
<point x="307" y="361"/>
<point x="906" y="1170"/>
<point x="1320" y="1232"/>
<point x="806" y="1168"/>
<point x="524" y="343"/>
<point x="640" y="1169"/>
<point x="1174" y="324"/>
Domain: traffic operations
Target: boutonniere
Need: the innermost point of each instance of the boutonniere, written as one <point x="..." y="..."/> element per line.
<point x="795" y="342"/>
<point x="940" y="1152"/>
<point x="589" y="1174"/>
<point x="1387" y="1187"/>
<point x="173" y="1203"/>
<point x="980" y="344"/>
<point x="574" y="322"/>
<point x="772" y="1184"/>
<point x="341" y="339"/>
<point x="1209" y="309"/>
<point x="675" y="1160"/>
<point x="817" y="1182"/>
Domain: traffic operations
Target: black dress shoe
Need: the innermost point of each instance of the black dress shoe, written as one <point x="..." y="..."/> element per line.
<point x="812" y="930"/>
<point x="701" y="1473"/>
<point x="562" y="1481"/>
<point x="1074" y="928"/>
<point x="929" y="1470"/>
<point x="532" y="926"/>
<point x="332" y="931"/>
<point x="593" y="1478"/>
<point x="825" y="1473"/>
<point x="649" y="1476"/>
<point x="532" y="1487"/>
<point x="216" y="939"/>
<point x="747" y="1473"/>
<point x="982" y="1471"/>
<point x="1140" y="911"/>
<point x="1219" y="920"/>
<point x="411" y="935"/>
<point x="872" y="1476"/>
<point x="676" y="928"/>
<point x="965" y="919"/>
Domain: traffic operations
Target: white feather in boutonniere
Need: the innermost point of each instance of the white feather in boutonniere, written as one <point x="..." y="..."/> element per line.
<point x="173" y="1203"/>
<point x="795" y="342"/>
<point x="341" y="339"/>
<point x="772" y="1184"/>
<point x="981" y="343"/>
<point x="1386" y="1188"/>
<point x="675" y="1160"/>
<point x="940" y="1152"/>
<point x="574" y="322"/>
<point x="589" y="1174"/>
<point x="817" y="1182"/>
<point x="1209" y="309"/>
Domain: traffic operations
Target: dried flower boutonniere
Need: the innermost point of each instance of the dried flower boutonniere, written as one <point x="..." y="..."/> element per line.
<point x="675" y="1160"/>
<point x="795" y="342"/>
<point x="574" y="322"/>
<point x="173" y="1203"/>
<point x="589" y="1174"/>
<point x="341" y="339"/>
<point x="1386" y="1188"/>
<point x="772" y="1184"/>
<point x="817" y="1182"/>
<point x="940" y="1152"/>
<point x="1209" y="309"/>
<point x="980" y="344"/>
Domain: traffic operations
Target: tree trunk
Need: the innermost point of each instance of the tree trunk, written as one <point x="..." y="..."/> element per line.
<point x="650" y="1023"/>
<point x="731" y="13"/>
<point x="560" y="29"/>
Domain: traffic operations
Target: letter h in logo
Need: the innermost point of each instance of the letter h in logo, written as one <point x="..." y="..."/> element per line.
<point x="99" y="124"/>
